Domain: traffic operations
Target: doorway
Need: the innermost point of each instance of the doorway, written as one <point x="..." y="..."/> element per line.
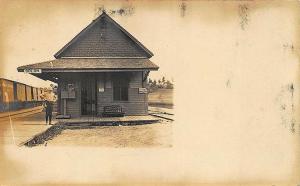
<point x="88" y="94"/>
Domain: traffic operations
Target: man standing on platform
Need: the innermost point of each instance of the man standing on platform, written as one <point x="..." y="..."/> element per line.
<point x="49" y="98"/>
<point x="49" y="109"/>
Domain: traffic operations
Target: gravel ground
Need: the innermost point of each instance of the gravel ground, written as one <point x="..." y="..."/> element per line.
<point x="150" y="135"/>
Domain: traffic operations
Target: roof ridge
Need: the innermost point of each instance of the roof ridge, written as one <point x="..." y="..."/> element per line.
<point x="104" y="14"/>
<point x="130" y="36"/>
<point x="56" y="55"/>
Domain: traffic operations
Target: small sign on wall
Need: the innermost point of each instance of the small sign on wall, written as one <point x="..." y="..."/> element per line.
<point x="101" y="89"/>
<point x="143" y="91"/>
<point x="33" y="71"/>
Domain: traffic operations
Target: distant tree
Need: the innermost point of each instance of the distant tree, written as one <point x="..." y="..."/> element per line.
<point x="150" y="84"/>
<point x="153" y="86"/>
<point x="154" y="83"/>
<point x="159" y="85"/>
<point x="150" y="81"/>
<point x="163" y="80"/>
<point x="169" y="85"/>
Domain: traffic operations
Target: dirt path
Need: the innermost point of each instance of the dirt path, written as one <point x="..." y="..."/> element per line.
<point x="151" y="135"/>
<point x="20" y="129"/>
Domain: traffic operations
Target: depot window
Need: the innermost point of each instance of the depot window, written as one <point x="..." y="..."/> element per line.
<point x="120" y="87"/>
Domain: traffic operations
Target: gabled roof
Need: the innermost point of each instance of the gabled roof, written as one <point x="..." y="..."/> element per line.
<point x="104" y="38"/>
<point x="91" y="64"/>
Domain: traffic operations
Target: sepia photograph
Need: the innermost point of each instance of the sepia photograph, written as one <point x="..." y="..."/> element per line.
<point x="164" y="92"/>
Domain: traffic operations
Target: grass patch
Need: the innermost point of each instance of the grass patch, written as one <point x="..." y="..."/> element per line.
<point x="161" y="98"/>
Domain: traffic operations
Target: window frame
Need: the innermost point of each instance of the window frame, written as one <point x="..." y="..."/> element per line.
<point x="120" y="81"/>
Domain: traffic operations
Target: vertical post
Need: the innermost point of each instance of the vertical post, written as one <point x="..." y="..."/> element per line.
<point x="65" y="107"/>
<point x="96" y="94"/>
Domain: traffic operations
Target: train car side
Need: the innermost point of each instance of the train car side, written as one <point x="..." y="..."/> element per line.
<point x="15" y="96"/>
<point x="7" y="94"/>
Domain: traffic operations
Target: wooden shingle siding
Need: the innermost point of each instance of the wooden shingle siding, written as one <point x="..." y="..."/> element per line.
<point x="134" y="95"/>
<point x="73" y="105"/>
<point x="136" y="104"/>
<point x="135" y="80"/>
<point x="104" y="39"/>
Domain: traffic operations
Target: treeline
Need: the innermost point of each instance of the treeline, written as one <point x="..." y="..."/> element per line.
<point x="160" y="83"/>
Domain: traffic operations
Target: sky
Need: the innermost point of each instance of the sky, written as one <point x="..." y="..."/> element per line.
<point x="33" y="31"/>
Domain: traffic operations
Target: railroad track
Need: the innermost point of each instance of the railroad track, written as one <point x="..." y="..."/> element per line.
<point x="20" y="113"/>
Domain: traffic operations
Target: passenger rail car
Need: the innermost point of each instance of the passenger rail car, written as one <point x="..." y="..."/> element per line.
<point x="15" y="95"/>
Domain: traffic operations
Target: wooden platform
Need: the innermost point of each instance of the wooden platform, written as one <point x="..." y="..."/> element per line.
<point x="126" y="120"/>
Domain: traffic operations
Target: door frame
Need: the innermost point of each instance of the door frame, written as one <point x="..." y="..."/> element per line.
<point x="91" y="76"/>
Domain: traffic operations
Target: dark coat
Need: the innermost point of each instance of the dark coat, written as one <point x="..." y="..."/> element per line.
<point x="49" y="107"/>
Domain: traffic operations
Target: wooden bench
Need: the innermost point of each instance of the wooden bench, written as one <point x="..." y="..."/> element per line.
<point x="113" y="110"/>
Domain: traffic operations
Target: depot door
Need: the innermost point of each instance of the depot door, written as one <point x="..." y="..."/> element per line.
<point x="88" y="94"/>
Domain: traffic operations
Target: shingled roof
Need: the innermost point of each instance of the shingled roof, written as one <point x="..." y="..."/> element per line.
<point x="91" y="64"/>
<point x="104" y="38"/>
<point x="103" y="46"/>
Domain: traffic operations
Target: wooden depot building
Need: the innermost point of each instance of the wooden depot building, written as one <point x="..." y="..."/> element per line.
<point x="103" y="65"/>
